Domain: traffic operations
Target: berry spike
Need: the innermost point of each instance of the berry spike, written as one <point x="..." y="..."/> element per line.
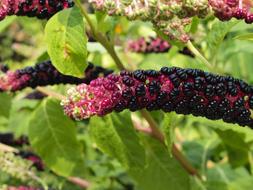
<point x="153" y="45"/>
<point x="150" y="45"/>
<point x="185" y="91"/>
<point x="42" y="9"/>
<point x="44" y="74"/>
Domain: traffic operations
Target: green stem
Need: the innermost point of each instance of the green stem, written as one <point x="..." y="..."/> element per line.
<point x="100" y="37"/>
<point x="196" y="52"/>
<point x="110" y="49"/>
<point x="86" y="16"/>
<point x="153" y="126"/>
<point x="155" y="132"/>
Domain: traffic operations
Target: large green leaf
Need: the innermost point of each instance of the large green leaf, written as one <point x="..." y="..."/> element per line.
<point x="53" y="137"/>
<point x="20" y="115"/>
<point x="238" y="149"/>
<point x="223" y="177"/>
<point x="217" y="34"/>
<point x="236" y="139"/>
<point x="242" y="184"/>
<point x="114" y="134"/>
<point x="163" y="172"/>
<point x="66" y="40"/>
<point x="5" y="104"/>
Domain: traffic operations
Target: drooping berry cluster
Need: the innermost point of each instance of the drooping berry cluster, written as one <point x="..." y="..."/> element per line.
<point x="42" y="9"/>
<point x="185" y="91"/>
<point x="8" y="139"/>
<point x="153" y="45"/>
<point x="36" y="160"/>
<point x="227" y="9"/>
<point x="44" y="74"/>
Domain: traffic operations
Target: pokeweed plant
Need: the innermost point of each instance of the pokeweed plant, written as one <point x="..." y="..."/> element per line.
<point x="148" y="114"/>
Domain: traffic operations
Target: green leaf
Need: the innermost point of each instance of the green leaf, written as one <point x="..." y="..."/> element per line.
<point x="114" y="134"/>
<point x="163" y="172"/>
<point x="20" y="115"/>
<point x="66" y="40"/>
<point x="105" y="23"/>
<point x="5" y="104"/>
<point x="236" y="139"/>
<point x="194" y="24"/>
<point x="6" y="22"/>
<point x="223" y="177"/>
<point x="245" y="37"/>
<point x="217" y="34"/>
<point x="53" y="137"/>
<point x="242" y="184"/>
<point x="238" y="149"/>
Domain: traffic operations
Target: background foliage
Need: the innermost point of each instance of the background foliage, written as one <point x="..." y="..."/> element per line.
<point x="109" y="152"/>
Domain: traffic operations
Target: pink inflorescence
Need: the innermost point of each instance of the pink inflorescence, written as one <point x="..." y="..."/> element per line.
<point x="150" y="45"/>
<point x="227" y="9"/>
<point x="13" y="81"/>
<point x="186" y="91"/>
<point x="153" y="45"/>
<point x="42" y="9"/>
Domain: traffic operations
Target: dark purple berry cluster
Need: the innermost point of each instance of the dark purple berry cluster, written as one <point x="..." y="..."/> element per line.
<point x="36" y="160"/>
<point x="227" y="9"/>
<point x="35" y="95"/>
<point x="44" y="74"/>
<point x="42" y="9"/>
<point x="243" y="14"/>
<point x="8" y="139"/>
<point x="185" y="91"/>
